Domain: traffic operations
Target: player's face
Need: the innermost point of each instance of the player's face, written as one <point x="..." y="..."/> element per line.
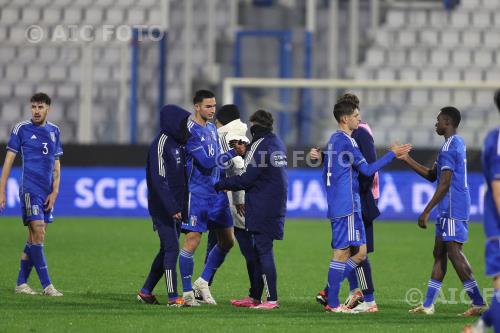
<point x="206" y="109"/>
<point x="441" y="124"/>
<point x="39" y="112"/>
<point x="353" y="120"/>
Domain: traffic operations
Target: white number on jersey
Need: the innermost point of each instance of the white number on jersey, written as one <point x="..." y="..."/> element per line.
<point x="45" y="150"/>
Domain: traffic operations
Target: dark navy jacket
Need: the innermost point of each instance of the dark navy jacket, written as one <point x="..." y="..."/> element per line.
<point x="265" y="184"/>
<point x="365" y="142"/>
<point x="165" y="169"/>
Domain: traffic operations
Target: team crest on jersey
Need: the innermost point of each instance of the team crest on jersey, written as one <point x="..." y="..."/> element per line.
<point x="193" y="220"/>
<point x="35" y="209"/>
<point x="53" y="136"/>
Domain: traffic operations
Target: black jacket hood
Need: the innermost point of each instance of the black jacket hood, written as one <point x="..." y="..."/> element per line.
<point x="173" y="121"/>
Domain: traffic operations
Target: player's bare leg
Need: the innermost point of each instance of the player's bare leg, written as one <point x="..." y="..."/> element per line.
<point x="464" y="272"/>
<point x="437" y="276"/>
<point x="22" y="286"/>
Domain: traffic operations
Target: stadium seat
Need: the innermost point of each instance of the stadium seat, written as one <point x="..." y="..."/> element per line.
<point x="11" y="112"/>
<point x="57" y="73"/>
<point x="429" y="74"/>
<point x="491" y="4"/>
<point x="67" y="91"/>
<point x="471" y="38"/>
<point x="429" y="37"/>
<point x="94" y="16"/>
<point x="9" y="15"/>
<point x="451" y="74"/>
<point x="115" y="15"/>
<point x="418" y="57"/>
<point x="30" y="15"/>
<point x="407" y="38"/>
<point x="441" y="97"/>
<point x="472" y="74"/>
<point x="26" y="55"/>
<point x="460" y="19"/>
<point x="438" y="18"/>
<point x="409" y="74"/>
<point x="493" y="75"/>
<point x="484" y="98"/>
<point x="450" y="38"/>
<point x="418" y="96"/>
<point x="7" y="54"/>
<point x="491" y="38"/>
<point x="461" y="58"/>
<point x="14" y="72"/>
<point x="36" y="73"/>
<point x="418" y="19"/>
<point x="72" y="15"/>
<point x="5" y="89"/>
<point x="440" y="57"/>
<point x="420" y="137"/>
<point x="470" y="4"/>
<point x="396" y="18"/>
<point x="375" y="57"/>
<point x="136" y="16"/>
<point x="483" y="58"/>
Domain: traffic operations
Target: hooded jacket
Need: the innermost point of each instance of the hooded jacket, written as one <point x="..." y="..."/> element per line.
<point x="234" y="130"/>
<point x="265" y="183"/>
<point x="166" y="162"/>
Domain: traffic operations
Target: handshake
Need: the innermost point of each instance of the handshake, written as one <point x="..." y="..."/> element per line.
<point x="400" y="150"/>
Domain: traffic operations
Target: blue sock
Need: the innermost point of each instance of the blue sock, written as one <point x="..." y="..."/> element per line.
<point x="353" y="280"/>
<point x="38" y="258"/>
<point x="473" y="291"/>
<point x="269" y="276"/>
<point x="186" y="267"/>
<point x="25" y="266"/>
<point x="350" y="267"/>
<point x="335" y="278"/>
<point x="491" y="317"/>
<point x="433" y="288"/>
<point x="214" y="260"/>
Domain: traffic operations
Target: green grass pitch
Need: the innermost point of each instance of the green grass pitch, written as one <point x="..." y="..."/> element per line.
<point x="101" y="263"/>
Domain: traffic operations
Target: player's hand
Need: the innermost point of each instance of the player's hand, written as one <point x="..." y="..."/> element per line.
<point x="3" y="201"/>
<point x="400" y="150"/>
<point x="315" y="153"/>
<point x="422" y="220"/>
<point x="240" y="209"/>
<point x="50" y="201"/>
<point x="177" y="216"/>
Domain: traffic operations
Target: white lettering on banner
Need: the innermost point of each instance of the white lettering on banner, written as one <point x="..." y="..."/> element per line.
<point x="12" y="192"/>
<point x="83" y="188"/>
<point x="297" y="188"/>
<point x="421" y="195"/>
<point x="100" y="188"/>
<point x="109" y="193"/>
<point x="142" y="194"/>
<point x="302" y="199"/>
<point x="314" y="195"/>
<point x="126" y="193"/>
<point x="389" y="196"/>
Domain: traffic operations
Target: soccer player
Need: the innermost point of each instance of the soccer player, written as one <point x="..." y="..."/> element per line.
<point x="361" y="300"/>
<point x="38" y="142"/>
<point x="206" y="208"/>
<point x="491" y="168"/>
<point x="342" y="163"/>
<point x="453" y="200"/>
<point x="232" y="129"/>
<point x="167" y="200"/>
<point x="265" y="184"/>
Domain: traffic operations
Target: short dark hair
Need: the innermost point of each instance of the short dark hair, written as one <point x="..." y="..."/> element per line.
<point x="343" y="109"/>
<point x="497" y="99"/>
<point x="453" y="113"/>
<point x="349" y="97"/>
<point x="40" y="97"/>
<point x="200" y="95"/>
<point x="262" y="118"/>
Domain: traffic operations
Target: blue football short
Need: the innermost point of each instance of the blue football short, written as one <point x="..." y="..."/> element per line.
<point x="348" y="231"/>
<point x="450" y="230"/>
<point x="33" y="209"/>
<point x="206" y="213"/>
<point x="492" y="255"/>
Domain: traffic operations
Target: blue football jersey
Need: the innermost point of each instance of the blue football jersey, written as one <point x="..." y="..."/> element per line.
<point x="490" y="160"/>
<point x="201" y="180"/>
<point x="340" y="175"/>
<point x="39" y="146"/>
<point x="452" y="156"/>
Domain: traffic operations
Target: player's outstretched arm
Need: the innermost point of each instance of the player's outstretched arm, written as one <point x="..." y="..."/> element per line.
<point x="396" y="151"/>
<point x="427" y="173"/>
<point x="56" y="181"/>
<point x="442" y="189"/>
<point x="7" y="167"/>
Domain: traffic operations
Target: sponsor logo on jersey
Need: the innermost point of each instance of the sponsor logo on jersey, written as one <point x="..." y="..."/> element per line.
<point x="33" y="136"/>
